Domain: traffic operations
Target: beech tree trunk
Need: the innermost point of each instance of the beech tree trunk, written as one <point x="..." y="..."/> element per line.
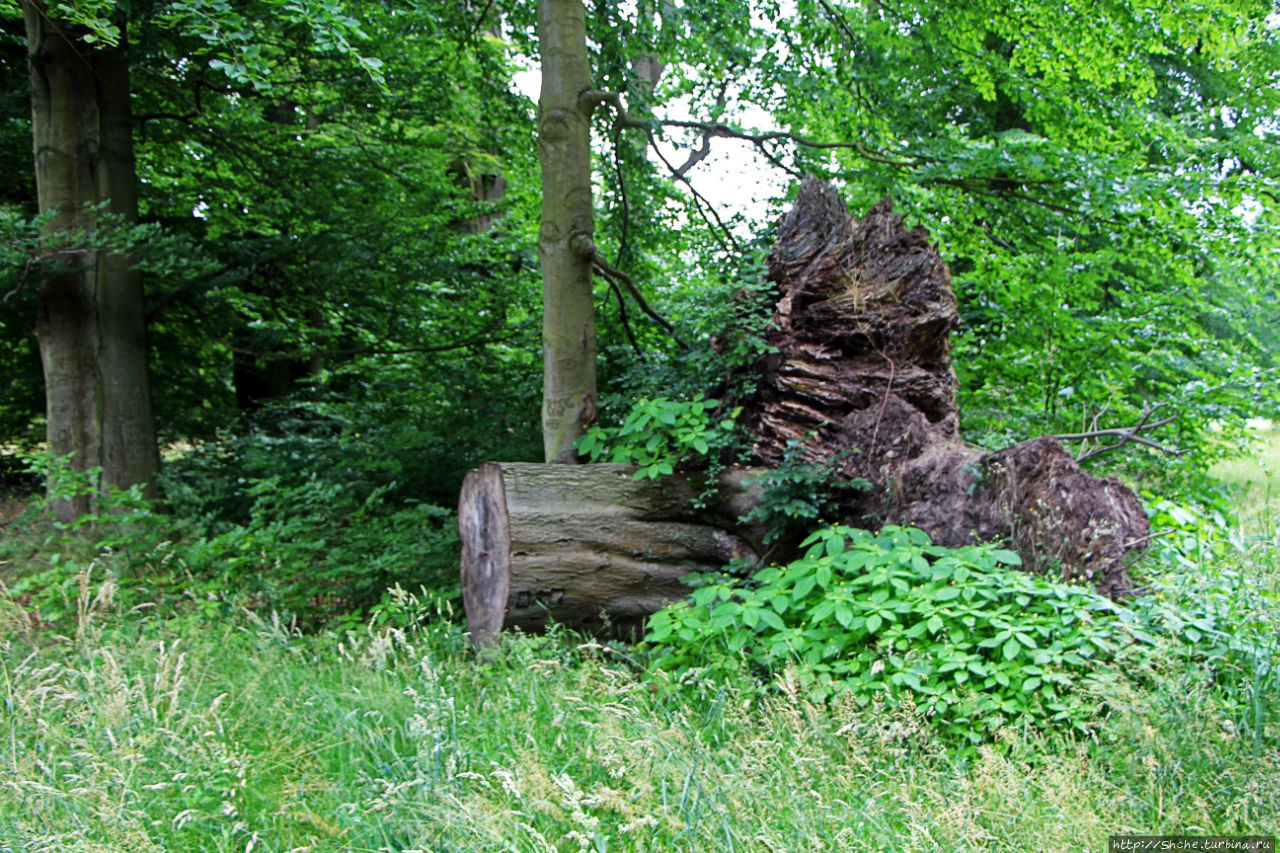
<point x="587" y="545"/>
<point x="565" y="241"/>
<point x="90" y="322"/>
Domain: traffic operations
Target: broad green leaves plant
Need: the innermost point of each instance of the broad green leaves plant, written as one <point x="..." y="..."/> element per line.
<point x="797" y="494"/>
<point x="976" y="644"/>
<point x="659" y="435"/>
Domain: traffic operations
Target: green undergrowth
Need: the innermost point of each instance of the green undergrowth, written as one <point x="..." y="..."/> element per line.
<point x="975" y="645"/>
<point x="312" y="546"/>
<point x="137" y="732"/>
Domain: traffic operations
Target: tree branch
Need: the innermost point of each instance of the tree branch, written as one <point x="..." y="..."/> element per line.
<point x="1126" y="435"/>
<point x="622" y="316"/>
<point x="699" y="200"/>
<point x="617" y="277"/>
<point x="759" y="139"/>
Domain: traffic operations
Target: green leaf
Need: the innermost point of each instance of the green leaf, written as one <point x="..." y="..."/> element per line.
<point x="823" y="575"/>
<point x="1009" y="558"/>
<point x="822" y="610"/>
<point x="772" y="619"/>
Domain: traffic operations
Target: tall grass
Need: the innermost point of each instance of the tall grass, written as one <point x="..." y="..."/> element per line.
<point x="144" y="733"/>
<point x="1254" y="480"/>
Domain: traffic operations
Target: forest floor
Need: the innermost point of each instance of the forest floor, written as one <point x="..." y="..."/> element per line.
<point x="218" y="729"/>
<point x="10" y="509"/>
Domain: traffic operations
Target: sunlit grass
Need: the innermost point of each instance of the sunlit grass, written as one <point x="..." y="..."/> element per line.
<point x="1254" y="479"/>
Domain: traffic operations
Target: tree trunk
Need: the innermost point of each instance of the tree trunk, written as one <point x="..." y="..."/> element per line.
<point x="862" y="367"/>
<point x="588" y="545"/>
<point x="565" y="241"/>
<point x="90" y="324"/>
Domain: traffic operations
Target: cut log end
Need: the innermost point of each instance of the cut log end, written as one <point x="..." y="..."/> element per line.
<point x="484" y="527"/>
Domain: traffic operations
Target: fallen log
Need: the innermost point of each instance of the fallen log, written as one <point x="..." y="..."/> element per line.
<point x="589" y="546"/>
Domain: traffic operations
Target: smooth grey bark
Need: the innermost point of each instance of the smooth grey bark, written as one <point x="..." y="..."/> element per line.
<point x="90" y="323"/>
<point x="565" y="239"/>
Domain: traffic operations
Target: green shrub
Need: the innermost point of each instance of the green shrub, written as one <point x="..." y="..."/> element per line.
<point x="659" y="435"/>
<point x="974" y="643"/>
<point x="312" y="547"/>
<point x="317" y="550"/>
<point x="1212" y="597"/>
<point x="797" y="496"/>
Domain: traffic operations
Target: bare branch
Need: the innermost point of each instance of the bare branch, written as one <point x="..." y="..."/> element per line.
<point x="622" y="315"/>
<point x="699" y="200"/>
<point x="759" y="139"/>
<point x="695" y="157"/>
<point x="1125" y="435"/>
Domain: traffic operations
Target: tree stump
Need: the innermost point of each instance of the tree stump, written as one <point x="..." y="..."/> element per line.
<point x="862" y="331"/>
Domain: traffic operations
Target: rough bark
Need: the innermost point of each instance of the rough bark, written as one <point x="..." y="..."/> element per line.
<point x="90" y="323"/>
<point x="565" y="240"/>
<point x="861" y="327"/>
<point x="587" y="545"/>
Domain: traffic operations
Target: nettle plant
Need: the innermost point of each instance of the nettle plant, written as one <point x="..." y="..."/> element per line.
<point x="658" y="435"/>
<point x="975" y="643"/>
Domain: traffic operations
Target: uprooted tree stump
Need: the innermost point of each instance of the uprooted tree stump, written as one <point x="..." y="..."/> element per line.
<point x="863" y="364"/>
<point x="861" y="377"/>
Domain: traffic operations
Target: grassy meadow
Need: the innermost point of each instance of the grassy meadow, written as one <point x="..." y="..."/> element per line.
<point x="133" y="728"/>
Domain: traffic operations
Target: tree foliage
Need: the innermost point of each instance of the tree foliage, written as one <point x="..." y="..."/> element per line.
<point x="321" y="226"/>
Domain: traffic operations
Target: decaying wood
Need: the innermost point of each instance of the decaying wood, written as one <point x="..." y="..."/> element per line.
<point x="862" y="335"/>
<point x="588" y="545"/>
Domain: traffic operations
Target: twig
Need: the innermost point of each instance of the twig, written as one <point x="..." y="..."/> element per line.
<point x="703" y="152"/>
<point x="888" y="389"/>
<point x="1126" y="435"/>
<point x="622" y="316"/>
<point x="699" y="201"/>
<point x="704" y="149"/>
